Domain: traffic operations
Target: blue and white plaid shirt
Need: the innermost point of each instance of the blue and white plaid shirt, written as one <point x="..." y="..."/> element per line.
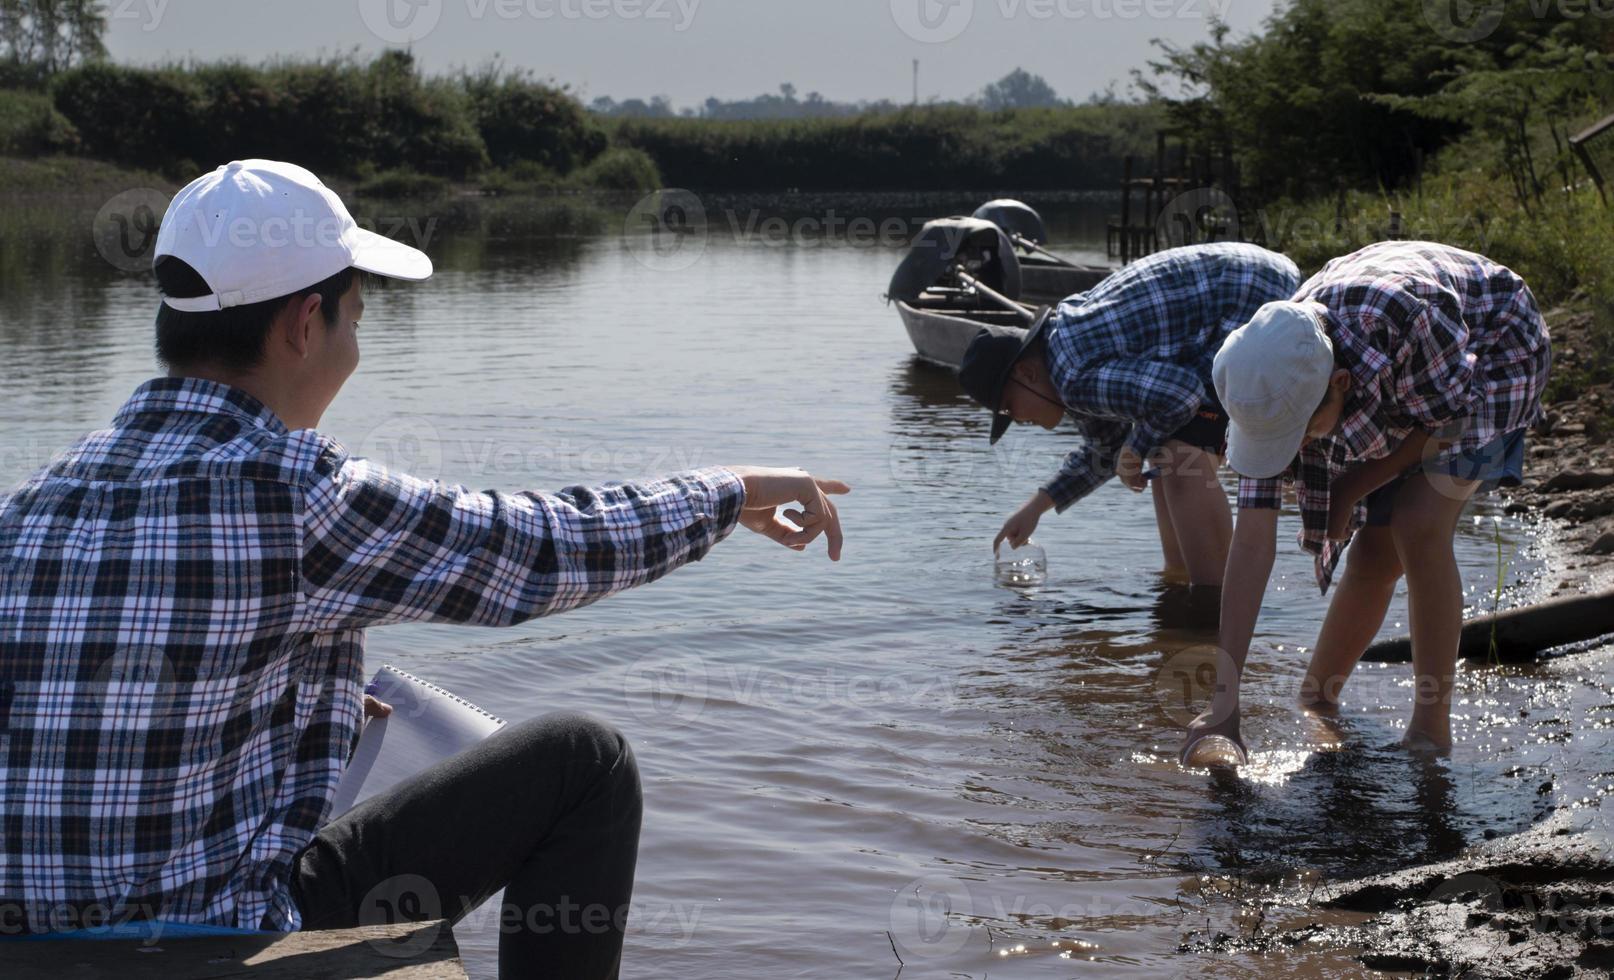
<point x="1132" y="356"/>
<point x="183" y="599"/>
<point x="1436" y="339"/>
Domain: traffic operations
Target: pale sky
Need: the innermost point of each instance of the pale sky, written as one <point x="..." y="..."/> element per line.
<point x="690" y="49"/>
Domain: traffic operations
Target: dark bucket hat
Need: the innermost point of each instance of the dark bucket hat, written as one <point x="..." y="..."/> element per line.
<point x="989" y="360"/>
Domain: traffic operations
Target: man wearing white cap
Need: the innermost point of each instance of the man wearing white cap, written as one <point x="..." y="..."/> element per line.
<point x="186" y="594"/>
<point x="1397" y="383"/>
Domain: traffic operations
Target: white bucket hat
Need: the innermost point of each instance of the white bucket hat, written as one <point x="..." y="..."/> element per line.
<point x="1271" y="375"/>
<point x="260" y="229"/>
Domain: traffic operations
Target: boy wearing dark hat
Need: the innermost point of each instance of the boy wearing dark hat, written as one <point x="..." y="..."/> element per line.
<point x="1130" y="362"/>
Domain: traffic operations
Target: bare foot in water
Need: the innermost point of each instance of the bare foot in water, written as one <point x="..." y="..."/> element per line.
<point x="1420" y="744"/>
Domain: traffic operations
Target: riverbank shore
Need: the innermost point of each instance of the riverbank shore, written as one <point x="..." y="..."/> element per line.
<point x="1569" y="470"/>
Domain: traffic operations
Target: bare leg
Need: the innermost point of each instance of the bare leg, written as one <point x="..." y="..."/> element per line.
<point x="1424" y="522"/>
<point x="1199" y="511"/>
<point x="1355" y="614"/>
<point x="1175" y="568"/>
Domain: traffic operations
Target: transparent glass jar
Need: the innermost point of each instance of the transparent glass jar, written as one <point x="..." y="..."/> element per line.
<point x="1022" y="567"/>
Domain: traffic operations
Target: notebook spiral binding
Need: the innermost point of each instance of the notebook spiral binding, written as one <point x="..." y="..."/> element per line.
<point x="374" y="686"/>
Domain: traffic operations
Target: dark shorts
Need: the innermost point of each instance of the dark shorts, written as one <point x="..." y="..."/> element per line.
<point x="1498" y="463"/>
<point x="1207" y="430"/>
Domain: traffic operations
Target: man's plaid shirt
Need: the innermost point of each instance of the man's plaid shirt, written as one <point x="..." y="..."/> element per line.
<point x="1131" y="357"/>
<point x="1435" y="338"/>
<point x="183" y="599"/>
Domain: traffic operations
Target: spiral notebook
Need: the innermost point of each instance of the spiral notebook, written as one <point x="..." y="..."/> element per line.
<point x="427" y="725"/>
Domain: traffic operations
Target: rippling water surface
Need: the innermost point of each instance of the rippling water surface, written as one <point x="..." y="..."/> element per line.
<point x="886" y="761"/>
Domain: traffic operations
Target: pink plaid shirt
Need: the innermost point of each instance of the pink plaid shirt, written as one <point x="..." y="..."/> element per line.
<point x="1436" y="339"/>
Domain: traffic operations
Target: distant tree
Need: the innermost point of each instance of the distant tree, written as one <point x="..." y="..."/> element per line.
<point x="1020" y="89"/>
<point x="48" y="36"/>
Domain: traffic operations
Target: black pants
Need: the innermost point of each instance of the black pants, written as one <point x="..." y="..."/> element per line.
<point x="548" y="810"/>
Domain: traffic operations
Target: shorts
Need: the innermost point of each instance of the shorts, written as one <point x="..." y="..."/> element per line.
<point x="1207" y="430"/>
<point x="1498" y="463"/>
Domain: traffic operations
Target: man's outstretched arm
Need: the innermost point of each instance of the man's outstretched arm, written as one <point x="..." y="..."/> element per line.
<point x="382" y="547"/>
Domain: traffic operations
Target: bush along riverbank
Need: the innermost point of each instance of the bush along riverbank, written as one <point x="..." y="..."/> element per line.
<point x="380" y="124"/>
<point x="400" y="133"/>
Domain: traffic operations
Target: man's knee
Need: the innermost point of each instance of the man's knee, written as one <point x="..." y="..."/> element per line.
<point x="585" y="739"/>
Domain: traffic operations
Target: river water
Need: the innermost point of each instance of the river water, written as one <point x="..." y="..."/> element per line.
<point x="849" y="767"/>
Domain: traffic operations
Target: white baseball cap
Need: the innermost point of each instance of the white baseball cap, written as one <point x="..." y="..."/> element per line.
<point x="1271" y="375"/>
<point x="260" y="229"/>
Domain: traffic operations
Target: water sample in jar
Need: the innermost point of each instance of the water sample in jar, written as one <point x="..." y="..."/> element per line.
<point x="1021" y="567"/>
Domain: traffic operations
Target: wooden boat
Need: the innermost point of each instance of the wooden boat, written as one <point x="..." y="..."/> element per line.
<point x="942" y="322"/>
<point x="947" y="287"/>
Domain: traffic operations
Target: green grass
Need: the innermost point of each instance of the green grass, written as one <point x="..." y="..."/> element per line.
<point x="1562" y="247"/>
<point x="72" y="175"/>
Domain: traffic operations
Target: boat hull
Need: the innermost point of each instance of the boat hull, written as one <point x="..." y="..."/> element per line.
<point x="1050" y="282"/>
<point x="942" y="336"/>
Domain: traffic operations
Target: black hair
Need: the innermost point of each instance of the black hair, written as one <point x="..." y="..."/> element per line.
<point x="232" y="338"/>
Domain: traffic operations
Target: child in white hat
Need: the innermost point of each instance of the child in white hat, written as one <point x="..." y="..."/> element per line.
<point x="1397" y="383"/>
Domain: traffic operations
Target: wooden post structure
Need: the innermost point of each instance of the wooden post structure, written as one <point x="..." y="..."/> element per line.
<point x="1126" y="212"/>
